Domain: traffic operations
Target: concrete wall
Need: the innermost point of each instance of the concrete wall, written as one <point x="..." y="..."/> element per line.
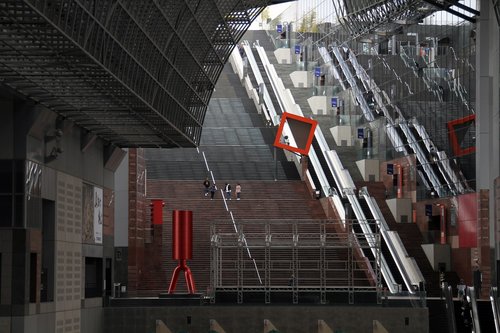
<point x="250" y="318"/>
<point x="27" y="133"/>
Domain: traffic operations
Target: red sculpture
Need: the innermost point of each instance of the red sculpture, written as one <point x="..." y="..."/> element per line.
<point x="182" y="247"/>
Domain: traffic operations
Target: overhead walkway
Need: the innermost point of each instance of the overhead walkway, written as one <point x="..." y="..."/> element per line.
<point x="338" y="184"/>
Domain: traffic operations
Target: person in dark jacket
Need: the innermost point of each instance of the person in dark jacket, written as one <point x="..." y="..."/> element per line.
<point x="206" y="185"/>
<point x="213" y="189"/>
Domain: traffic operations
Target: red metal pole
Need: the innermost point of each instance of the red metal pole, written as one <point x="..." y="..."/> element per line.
<point x="442" y="220"/>
<point x="399" y="190"/>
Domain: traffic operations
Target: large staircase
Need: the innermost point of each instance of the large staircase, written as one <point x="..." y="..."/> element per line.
<point x="235" y="141"/>
<point x="260" y="200"/>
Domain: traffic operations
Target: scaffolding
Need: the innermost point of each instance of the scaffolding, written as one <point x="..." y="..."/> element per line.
<point x="298" y="259"/>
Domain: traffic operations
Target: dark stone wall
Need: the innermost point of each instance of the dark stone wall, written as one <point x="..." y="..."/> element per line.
<point x="250" y="318"/>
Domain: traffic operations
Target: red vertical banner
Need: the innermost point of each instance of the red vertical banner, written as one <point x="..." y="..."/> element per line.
<point x="157" y="211"/>
<point x="442" y="222"/>
<point x="399" y="189"/>
<point x="467" y="220"/>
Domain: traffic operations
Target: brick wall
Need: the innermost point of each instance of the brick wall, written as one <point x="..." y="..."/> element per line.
<point x="137" y="205"/>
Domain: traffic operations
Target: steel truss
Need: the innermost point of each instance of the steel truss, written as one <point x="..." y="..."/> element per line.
<point x="295" y="257"/>
<point x="136" y="73"/>
<point x="376" y="17"/>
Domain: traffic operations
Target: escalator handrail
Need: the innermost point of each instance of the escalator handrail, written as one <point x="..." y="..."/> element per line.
<point x="370" y="238"/>
<point x="446" y="290"/>
<point x="443" y="163"/>
<point x="471" y="298"/>
<point x="350" y="78"/>
<point x="269" y="68"/>
<point x="410" y="273"/>
<point x="327" y="59"/>
<point x="495" y="309"/>
<point x="258" y="77"/>
<point x="424" y="162"/>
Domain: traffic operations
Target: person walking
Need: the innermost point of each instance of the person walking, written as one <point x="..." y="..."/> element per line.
<point x="206" y="184"/>
<point x="227" y="189"/>
<point x="213" y="189"/>
<point x="238" y="191"/>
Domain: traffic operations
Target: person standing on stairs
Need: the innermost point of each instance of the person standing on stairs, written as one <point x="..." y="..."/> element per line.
<point x="206" y="184"/>
<point x="213" y="189"/>
<point x="227" y="189"/>
<point x="238" y="191"/>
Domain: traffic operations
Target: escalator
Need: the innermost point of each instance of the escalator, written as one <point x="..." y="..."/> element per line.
<point x="481" y="313"/>
<point x="327" y="174"/>
<point x="267" y="83"/>
<point x="324" y="165"/>
<point x="314" y="176"/>
<point x="404" y="139"/>
<point x="384" y="250"/>
<point x="250" y="73"/>
<point x="434" y="164"/>
<point x="485" y="315"/>
<point x="421" y="172"/>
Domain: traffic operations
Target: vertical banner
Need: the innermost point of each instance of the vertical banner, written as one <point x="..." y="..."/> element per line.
<point x="88" y="213"/>
<point x="317" y="71"/>
<point x="361" y="133"/>
<point x="334" y="101"/>
<point x="428" y="210"/>
<point x="98" y="216"/>
<point x="390" y="168"/>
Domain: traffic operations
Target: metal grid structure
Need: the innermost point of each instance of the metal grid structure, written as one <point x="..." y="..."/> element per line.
<point x="375" y="17"/>
<point x="135" y="73"/>
<point x="297" y="257"/>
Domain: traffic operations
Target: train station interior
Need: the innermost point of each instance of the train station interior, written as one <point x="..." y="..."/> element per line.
<point x="320" y="166"/>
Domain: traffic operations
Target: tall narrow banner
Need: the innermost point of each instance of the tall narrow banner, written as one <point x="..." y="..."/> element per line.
<point x="98" y="216"/>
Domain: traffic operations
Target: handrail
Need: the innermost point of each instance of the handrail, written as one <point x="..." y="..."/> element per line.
<point x="471" y="298"/>
<point x="422" y="157"/>
<point x="237" y="62"/>
<point x="443" y="162"/>
<point x="269" y="71"/>
<point x="258" y="77"/>
<point x="450" y="308"/>
<point x="329" y="61"/>
<point x="495" y="309"/>
<point x="238" y="66"/>
<point x="352" y="82"/>
<point x="412" y="276"/>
